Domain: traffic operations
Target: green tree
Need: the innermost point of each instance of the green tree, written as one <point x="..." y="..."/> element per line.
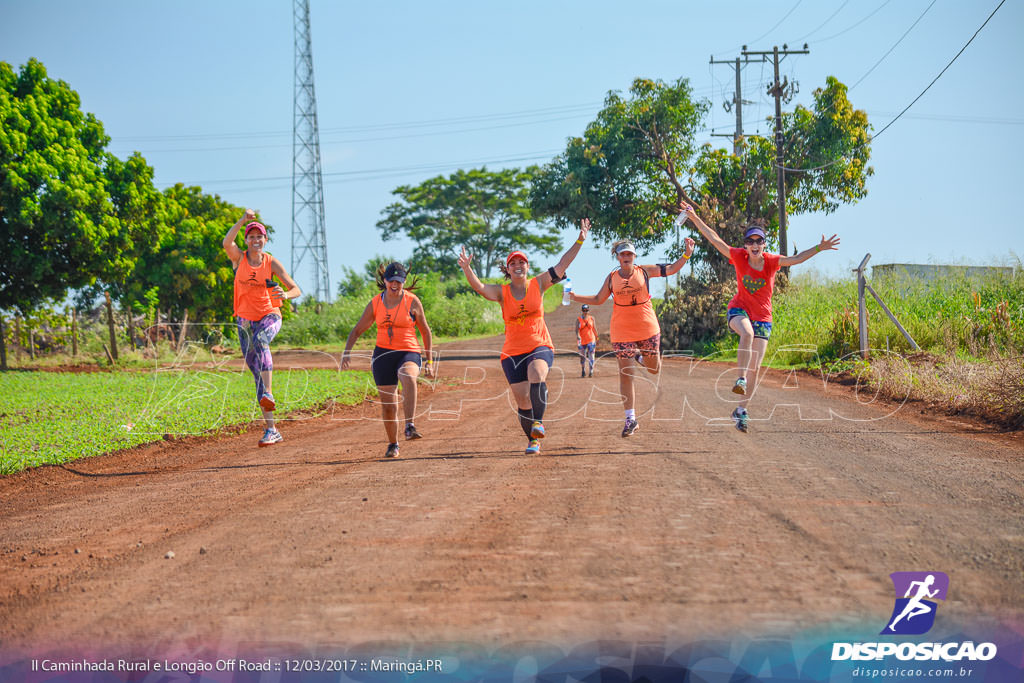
<point x="486" y="211"/>
<point x="58" y="227"/>
<point x="637" y="162"/>
<point x="187" y="268"/>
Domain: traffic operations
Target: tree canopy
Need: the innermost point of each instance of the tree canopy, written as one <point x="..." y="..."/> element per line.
<point x="58" y="226"/>
<point x="486" y="211"/>
<point x="638" y="161"/>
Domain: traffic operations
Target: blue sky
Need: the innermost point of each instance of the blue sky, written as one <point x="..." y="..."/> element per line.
<point x="411" y="90"/>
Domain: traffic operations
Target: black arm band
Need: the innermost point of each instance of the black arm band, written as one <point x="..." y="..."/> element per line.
<point x="554" y="276"/>
<point x="663" y="266"/>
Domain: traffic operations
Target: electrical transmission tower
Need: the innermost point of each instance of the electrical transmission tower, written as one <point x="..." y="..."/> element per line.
<point x="309" y="237"/>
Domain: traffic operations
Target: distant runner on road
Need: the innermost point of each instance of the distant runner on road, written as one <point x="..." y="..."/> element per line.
<point x="256" y="302"/>
<point x="586" y="339"/>
<point x="397" y="357"/>
<point x="528" y="352"/>
<point x="749" y="313"/>
<point x="635" y="333"/>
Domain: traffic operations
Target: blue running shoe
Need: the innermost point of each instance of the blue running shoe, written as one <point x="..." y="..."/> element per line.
<point x="741" y="417"/>
<point x="537" y="430"/>
<point x="533" y="448"/>
<point x="270" y="437"/>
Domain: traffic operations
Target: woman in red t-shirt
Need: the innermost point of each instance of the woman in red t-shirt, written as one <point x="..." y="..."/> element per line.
<point x="528" y="353"/>
<point x="397" y="356"/>
<point x="750" y="311"/>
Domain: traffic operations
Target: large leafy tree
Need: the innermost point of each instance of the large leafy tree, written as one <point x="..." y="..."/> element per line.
<point x="187" y="269"/>
<point x="486" y="211"/>
<point x="637" y="162"/>
<point x="58" y="227"/>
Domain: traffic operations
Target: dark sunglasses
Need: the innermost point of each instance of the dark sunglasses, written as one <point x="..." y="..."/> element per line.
<point x="754" y="240"/>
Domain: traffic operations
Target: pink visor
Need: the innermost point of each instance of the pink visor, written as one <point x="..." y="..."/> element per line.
<point x="255" y="225"/>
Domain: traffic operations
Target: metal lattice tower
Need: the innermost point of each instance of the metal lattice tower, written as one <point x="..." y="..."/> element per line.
<point x="309" y="237"/>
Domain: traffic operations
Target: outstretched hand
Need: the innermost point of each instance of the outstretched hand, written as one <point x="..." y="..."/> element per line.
<point x="465" y="258"/>
<point x="249" y="216"/>
<point x="690" y="244"/>
<point x="830" y="243"/>
<point x="584" y="229"/>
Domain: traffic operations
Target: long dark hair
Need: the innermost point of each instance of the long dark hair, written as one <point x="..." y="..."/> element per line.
<point x="410" y="283"/>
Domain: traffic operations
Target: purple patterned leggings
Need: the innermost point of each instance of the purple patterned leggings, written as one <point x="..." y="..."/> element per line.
<point x="255" y="338"/>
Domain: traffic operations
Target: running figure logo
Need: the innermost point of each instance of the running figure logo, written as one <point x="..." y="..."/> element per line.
<point x="914" y="613"/>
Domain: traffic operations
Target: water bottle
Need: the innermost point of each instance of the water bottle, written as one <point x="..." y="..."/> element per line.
<point x="567" y="292"/>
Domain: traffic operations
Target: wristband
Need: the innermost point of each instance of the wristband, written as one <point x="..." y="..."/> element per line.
<point x="817" y="248"/>
<point x="579" y="241"/>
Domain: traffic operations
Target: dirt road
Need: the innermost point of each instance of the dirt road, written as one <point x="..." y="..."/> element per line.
<point x="687" y="529"/>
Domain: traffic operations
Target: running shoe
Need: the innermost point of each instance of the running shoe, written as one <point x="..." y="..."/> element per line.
<point x="411" y="433"/>
<point x="267" y="402"/>
<point x="740" y="387"/>
<point x="392" y="451"/>
<point x="630" y="428"/>
<point x="639" y="358"/>
<point x="270" y="437"/>
<point x="583" y="373"/>
<point x="533" y="448"/>
<point x="741" y="417"/>
<point x="591" y="372"/>
<point x="537" y="430"/>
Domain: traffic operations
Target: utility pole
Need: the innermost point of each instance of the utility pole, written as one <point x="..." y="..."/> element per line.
<point x="309" y="236"/>
<point x="737" y="101"/>
<point x="781" y="90"/>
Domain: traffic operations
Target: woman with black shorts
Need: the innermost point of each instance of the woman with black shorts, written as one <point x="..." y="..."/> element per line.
<point x="528" y="352"/>
<point x="397" y="356"/>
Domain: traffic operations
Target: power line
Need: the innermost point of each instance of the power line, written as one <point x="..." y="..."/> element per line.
<point x="823" y="24"/>
<point x="894" y="46"/>
<point x="912" y="103"/>
<point x="853" y="26"/>
<point x="766" y="33"/>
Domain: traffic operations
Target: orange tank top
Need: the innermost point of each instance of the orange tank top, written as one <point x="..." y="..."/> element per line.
<point x="633" y="316"/>
<point x="396" y="327"/>
<point x="588" y="330"/>
<point x="252" y="298"/>
<point x="524" y="321"/>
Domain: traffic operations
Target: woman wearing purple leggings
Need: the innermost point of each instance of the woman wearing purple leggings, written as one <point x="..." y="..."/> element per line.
<point x="257" y="298"/>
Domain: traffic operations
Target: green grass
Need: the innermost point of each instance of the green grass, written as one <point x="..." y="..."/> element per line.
<point x="53" y="418"/>
<point x="967" y="317"/>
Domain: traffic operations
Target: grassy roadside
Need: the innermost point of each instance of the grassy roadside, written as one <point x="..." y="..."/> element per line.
<point x="970" y="332"/>
<point x="55" y="417"/>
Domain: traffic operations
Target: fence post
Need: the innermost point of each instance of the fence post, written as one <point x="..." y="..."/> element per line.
<point x="17" y="338"/>
<point x="862" y="311"/>
<point x="110" y="328"/>
<point x="74" y="332"/>
<point x="31" y="342"/>
<point x="3" y="345"/>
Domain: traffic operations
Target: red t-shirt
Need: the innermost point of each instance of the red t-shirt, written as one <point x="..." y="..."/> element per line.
<point x="754" y="287"/>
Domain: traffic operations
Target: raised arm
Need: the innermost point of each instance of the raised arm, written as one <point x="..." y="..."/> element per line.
<point x="597" y="299"/>
<point x="489" y="292"/>
<point x="673" y="268"/>
<point x="230" y="247"/>
<point x="362" y="325"/>
<point x="825" y="244"/>
<point x="544" y="279"/>
<point x="428" y="337"/>
<point x="709" y="234"/>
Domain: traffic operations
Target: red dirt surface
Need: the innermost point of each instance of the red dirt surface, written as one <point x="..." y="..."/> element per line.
<point x="687" y="529"/>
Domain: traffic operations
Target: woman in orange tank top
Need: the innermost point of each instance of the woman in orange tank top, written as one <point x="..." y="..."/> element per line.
<point x="635" y="333"/>
<point x="396" y="358"/>
<point x="256" y="303"/>
<point x="527" y="353"/>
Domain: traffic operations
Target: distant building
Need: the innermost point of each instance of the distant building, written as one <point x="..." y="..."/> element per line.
<point x="921" y="271"/>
